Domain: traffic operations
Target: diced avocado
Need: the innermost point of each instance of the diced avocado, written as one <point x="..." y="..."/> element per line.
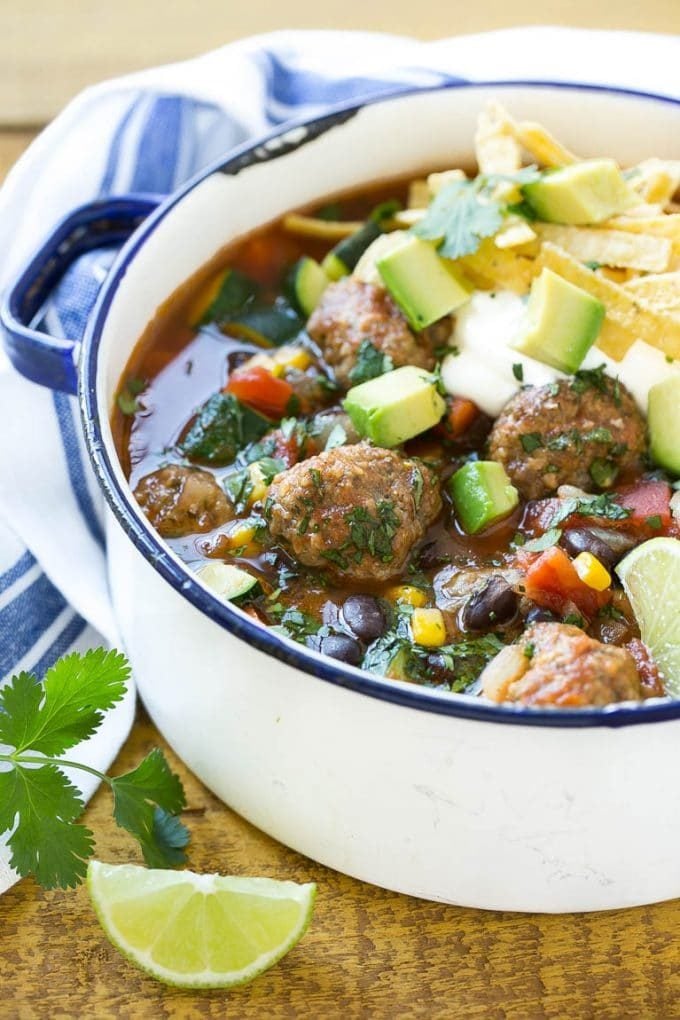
<point x="229" y="582"/>
<point x="663" y="422"/>
<point x="562" y="323"/>
<point x="482" y="494"/>
<point x="395" y="407"/>
<point x="421" y="283"/>
<point x="305" y="284"/>
<point x="587" y="192"/>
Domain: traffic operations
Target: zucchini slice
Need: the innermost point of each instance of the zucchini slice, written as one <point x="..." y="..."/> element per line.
<point x="305" y="284"/>
<point x="231" y="583"/>
<point x="342" y="259"/>
<point x="267" y="327"/>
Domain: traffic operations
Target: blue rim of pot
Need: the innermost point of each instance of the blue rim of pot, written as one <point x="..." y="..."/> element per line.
<point x="181" y="578"/>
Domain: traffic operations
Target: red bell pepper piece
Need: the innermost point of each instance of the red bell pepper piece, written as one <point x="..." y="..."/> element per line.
<point x="261" y="390"/>
<point x="552" y="581"/>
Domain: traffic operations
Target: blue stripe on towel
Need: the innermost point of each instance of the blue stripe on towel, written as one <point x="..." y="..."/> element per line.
<point x="24" y="621"/>
<point x="22" y="565"/>
<point x="75" y="467"/>
<point x="60" y="646"/>
<point x="158" y="147"/>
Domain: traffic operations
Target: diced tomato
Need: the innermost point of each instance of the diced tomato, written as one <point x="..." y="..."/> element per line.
<point x="646" y="499"/>
<point x="259" y="389"/>
<point x="552" y="581"/>
<point x="460" y="415"/>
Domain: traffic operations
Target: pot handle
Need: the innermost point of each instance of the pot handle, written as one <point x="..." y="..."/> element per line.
<point x="42" y="358"/>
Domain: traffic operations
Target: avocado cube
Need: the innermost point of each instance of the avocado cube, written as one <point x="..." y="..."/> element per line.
<point x="395" y="407"/>
<point x="562" y="323"/>
<point x="422" y="284"/>
<point x="482" y="494"/>
<point x="587" y="192"/>
<point x="663" y="422"/>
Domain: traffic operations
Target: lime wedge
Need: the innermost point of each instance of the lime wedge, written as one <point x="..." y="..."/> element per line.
<point x="198" y="931"/>
<point x="650" y="576"/>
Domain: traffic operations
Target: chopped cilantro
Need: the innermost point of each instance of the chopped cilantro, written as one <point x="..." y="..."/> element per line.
<point x="127" y="398"/>
<point x="222" y="426"/>
<point x="459" y="217"/>
<point x="528" y="650"/>
<point x="367" y="534"/>
<point x="597" y="506"/>
<point x="654" y="521"/>
<point x="518" y="371"/>
<point x="574" y="620"/>
<point x="336" y="437"/>
<point x="603" y="472"/>
<point x="531" y="441"/>
<point x="591" y="264"/>
<point x="545" y="541"/>
<point x="370" y="363"/>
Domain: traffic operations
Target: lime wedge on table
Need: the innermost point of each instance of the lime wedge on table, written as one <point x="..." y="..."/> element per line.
<point x="198" y="931"/>
<point x="650" y="576"/>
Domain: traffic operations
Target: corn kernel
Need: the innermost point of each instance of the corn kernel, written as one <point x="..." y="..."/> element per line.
<point x="292" y="357"/>
<point x="242" y="534"/>
<point x="407" y="593"/>
<point x="428" y="627"/>
<point x="260" y="488"/>
<point x="264" y="361"/>
<point x="592" y="572"/>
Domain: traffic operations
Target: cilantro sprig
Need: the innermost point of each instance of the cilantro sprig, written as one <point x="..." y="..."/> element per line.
<point x="39" y="804"/>
<point x="463" y="213"/>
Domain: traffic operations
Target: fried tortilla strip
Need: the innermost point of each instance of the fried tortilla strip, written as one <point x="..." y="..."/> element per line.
<point x="545" y="148"/>
<point x="662" y="292"/>
<point x="492" y="268"/>
<point x="437" y="181"/>
<point x="514" y="232"/>
<point x="418" y="194"/>
<point x="496" y="149"/>
<point x="614" y="340"/>
<point x="326" y="230"/>
<point x="656" y="180"/>
<point x="656" y="226"/>
<point x="618" y="248"/>
<point x="623" y="307"/>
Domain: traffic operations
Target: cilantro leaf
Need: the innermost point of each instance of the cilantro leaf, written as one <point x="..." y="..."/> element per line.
<point x="44" y="804"/>
<point x="144" y="802"/>
<point x="67" y="708"/>
<point x="459" y="216"/>
<point x="370" y="363"/>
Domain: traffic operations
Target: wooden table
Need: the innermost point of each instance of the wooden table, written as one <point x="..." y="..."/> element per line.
<point x="369" y="953"/>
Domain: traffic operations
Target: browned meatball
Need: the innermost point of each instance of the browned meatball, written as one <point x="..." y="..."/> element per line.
<point x="568" y="434"/>
<point x="355" y="510"/>
<point x="556" y="665"/>
<point x="350" y="312"/>
<point x="182" y="501"/>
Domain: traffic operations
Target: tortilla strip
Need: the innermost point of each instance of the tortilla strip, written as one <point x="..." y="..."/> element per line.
<point x="657" y="226"/>
<point x="418" y="194"/>
<point x="437" y="181"/>
<point x="657" y="180"/>
<point x="496" y="268"/>
<point x="496" y="149"/>
<point x="662" y="292"/>
<point x="514" y="232"/>
<point x="618" y="248"/>
<point x="625" y="309"/>
<point x="327" y="230"/>
<point x="614" y="340"/>
<point x="543" y="146"/>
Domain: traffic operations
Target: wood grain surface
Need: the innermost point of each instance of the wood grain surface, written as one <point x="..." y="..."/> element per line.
<point x="369" y="953"/>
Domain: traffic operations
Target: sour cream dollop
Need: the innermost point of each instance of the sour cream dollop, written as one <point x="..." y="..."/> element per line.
<point x="482" y="365"/>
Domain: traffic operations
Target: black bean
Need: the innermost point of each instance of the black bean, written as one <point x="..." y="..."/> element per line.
<point x="495" y="604"/>
<point x="578" y="540"/>
<point x="537" y="614"/>
<point x="365" y="616"/>
<point x="236" y="358"/>
<point x="342" y="647"/>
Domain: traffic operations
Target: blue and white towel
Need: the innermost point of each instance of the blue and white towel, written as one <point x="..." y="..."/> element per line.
<point x="149" y="132"/>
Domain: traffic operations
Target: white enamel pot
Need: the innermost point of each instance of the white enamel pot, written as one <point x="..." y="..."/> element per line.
<point x="435" y="795"/>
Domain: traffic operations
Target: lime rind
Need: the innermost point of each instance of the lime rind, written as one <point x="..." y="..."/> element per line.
<point x="115" y="888"/>
<point x="650" y="575"/>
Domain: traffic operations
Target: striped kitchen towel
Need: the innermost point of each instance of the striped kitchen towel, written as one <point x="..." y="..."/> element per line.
<point x="149" y="132"/>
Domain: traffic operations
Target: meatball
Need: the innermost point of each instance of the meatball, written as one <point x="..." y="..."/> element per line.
<point x="350" y="312"/>
<point x="182" y="501"/>
<point x="568" y="434"/>
<point x="354" y="510"/>
<point x="555" y="665"/>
